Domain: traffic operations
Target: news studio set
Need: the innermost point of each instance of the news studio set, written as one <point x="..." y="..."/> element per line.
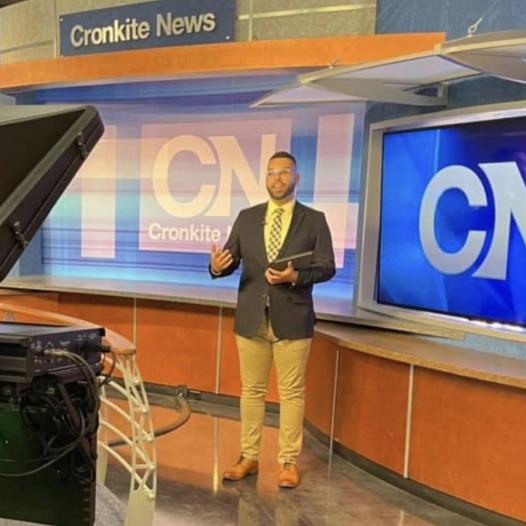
<point x="134" y="138"/>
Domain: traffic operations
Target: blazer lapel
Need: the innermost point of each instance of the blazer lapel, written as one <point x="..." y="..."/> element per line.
<point x="260" y="234"/>
<point x="297" y="217"/>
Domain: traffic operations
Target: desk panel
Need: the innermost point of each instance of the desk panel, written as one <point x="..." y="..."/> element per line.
<point x="468" y="440"/>
<point x="177" y="344"/>
<point x="111" y="312"/>
<point x="371" y="406"/>
<point x="319" y="383"/>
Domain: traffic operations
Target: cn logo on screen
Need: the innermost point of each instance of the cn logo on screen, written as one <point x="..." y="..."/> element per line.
<point x="508" y="197"/>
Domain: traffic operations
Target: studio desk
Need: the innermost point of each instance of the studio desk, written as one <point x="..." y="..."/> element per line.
<point x="439" y="420"/>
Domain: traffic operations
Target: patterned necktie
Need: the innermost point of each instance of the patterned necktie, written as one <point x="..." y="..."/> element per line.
<point x="274" y="241"/>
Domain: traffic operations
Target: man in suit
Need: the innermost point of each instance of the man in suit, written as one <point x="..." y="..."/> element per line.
<point x="275" y="315"/>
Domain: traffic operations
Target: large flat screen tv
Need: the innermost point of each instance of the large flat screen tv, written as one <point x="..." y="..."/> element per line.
<point x="444" y="220"/>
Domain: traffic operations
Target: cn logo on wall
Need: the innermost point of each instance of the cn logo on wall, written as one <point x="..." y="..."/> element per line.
<point x="194" y="177"/>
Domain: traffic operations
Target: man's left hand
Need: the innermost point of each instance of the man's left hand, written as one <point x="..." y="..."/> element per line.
<point x="289" y="275"/>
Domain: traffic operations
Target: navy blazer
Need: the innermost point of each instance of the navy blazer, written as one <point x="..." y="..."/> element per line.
<point x="290" y="306"/>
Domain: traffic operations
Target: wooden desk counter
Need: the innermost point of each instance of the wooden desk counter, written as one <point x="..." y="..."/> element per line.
<point x="430" y="413"/>
<point x="434" y="414"/>
<point x="427" y="353"/>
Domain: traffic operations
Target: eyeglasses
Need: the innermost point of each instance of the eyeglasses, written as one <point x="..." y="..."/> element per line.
<point x="283" y="171"/>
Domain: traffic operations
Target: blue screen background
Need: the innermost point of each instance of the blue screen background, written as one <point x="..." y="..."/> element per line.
<point x="405" y="276"/>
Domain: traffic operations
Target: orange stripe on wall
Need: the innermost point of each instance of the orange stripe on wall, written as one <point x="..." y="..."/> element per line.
<point x="214" y="58"/>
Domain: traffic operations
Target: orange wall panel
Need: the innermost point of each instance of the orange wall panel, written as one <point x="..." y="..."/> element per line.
<point x="177" y="343"/>
<point x="46" y="301"/>
<point x="110" y="312"/>
<point x="230" y="383"/>
<point x="467" y="440"/>
<point x="371" y="407"/>
<point x="320" y="384"/>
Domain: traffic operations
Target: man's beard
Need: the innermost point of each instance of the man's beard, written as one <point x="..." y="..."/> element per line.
<point x="281" y="194"/>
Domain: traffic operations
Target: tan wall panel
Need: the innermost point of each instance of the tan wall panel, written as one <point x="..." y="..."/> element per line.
<point x="371" y="407"/>
<point x="358" y="22"/>
<point x="468" y="440"/>
<point x="65" y="7"/>
<point x="110" y="312"/>
<point x="320" y="384"/>
<point x="27" y="31"/>
<point x="42" y="51"/>
<point x="243" y="6"/>
<point x="177" y="343"/>
<point x="304" y="18"/>
<point x="230" y="382"/>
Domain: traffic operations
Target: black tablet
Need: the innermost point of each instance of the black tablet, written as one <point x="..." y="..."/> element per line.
<point x="299" y="261"/>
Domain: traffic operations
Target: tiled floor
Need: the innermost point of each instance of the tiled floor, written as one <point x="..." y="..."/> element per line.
<point x="333" y="491"/>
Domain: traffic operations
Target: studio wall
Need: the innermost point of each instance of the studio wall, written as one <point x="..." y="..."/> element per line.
<point x="178" y="161"/>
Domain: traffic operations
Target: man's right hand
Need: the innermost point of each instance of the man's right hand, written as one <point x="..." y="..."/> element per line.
<point x="220" y="259"/>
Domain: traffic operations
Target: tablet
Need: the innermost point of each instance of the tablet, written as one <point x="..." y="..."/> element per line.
<point x="299" y="261"/>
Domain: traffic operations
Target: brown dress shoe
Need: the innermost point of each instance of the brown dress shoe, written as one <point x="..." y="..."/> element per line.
<point x="289" y="476"/>
<point x="243" y="468"/>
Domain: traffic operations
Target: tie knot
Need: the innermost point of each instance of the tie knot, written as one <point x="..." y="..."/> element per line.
<point x="278" y="212"/>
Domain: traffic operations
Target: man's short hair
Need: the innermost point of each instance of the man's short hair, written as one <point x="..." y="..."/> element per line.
<point x="284" y="155"/>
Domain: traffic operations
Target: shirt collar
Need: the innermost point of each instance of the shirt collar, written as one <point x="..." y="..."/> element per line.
<point x="287" y="207"/>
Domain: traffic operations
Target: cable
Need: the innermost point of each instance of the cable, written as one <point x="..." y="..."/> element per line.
<point x="79" y="469"/>
<point x="75" y="414"/>
<point x="72" y="447"/>
<point x="108" y="377"/>
<point x="83" y="468"/>
<point x="472" y="29"/>
<point x="84" y="367"/>
<point x="185" y="413"/>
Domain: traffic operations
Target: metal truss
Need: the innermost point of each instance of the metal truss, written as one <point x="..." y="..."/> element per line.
<point x="128" y="437"/>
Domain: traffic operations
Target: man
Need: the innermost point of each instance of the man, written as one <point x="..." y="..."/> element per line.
<point x="275" y="315"/>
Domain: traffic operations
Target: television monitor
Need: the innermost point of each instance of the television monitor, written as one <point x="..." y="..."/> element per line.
<point x="443" y="236"/>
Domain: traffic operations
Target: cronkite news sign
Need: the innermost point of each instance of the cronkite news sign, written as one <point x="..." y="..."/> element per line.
<point x="149" y="24"/>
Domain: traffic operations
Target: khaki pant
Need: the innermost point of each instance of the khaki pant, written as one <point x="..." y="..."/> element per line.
<point x="290" y="359"/>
